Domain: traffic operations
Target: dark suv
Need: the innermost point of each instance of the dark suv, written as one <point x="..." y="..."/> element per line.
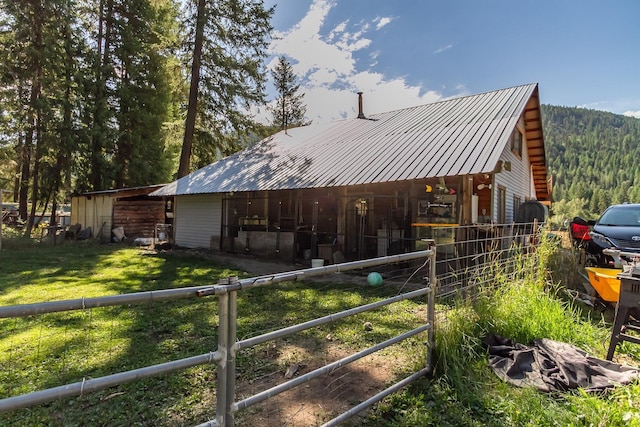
<point x="618" y="228"/>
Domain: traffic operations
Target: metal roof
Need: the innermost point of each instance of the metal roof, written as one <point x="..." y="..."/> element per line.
<point x="458" y="136"/>
<point x="146" y="189"/>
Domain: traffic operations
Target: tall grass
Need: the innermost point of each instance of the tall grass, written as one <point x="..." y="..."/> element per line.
<point x="519" y="302"/>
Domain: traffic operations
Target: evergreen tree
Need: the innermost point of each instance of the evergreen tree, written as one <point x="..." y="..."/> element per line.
<point x="591" y="154"/>
<point x="289" y="110"/>
<point x="227" y="46"/>
<point x="20" y="69"/>
<point x="131" y="93"/>
<point x="101" y="77"/>
<point x="144" y="92"/>
<point x="36" y="79"/>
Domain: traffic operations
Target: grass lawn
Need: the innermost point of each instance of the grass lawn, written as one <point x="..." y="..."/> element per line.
<point x="53" y="349"/>
<point x="50" y="350"/>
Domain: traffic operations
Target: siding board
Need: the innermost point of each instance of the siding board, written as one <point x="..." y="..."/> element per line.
<point x="197" y="219"/>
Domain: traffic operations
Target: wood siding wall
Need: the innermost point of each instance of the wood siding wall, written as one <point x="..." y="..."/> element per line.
<point x="197" y="219"/>
<point x="138" y="217"/>
<point x="517" y="181"/>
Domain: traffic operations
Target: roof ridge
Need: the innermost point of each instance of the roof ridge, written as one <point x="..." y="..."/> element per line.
<point x="455" y="98"/>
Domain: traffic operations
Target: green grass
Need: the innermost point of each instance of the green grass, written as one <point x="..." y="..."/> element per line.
<point x="53" y="349"/>
<point x="49" y="350"/>
<point x="465" y="392"/>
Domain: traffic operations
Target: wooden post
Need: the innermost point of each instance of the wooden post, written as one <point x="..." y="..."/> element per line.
<point x="1" y="223"/>
<point x="465" y="203"/>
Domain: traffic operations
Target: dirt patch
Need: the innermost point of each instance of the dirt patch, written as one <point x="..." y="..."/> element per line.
<point x="332" y="393"/>
<point x="322" y="398"/>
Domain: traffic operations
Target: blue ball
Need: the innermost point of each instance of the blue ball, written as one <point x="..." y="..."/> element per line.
<point x="374" y="279"/>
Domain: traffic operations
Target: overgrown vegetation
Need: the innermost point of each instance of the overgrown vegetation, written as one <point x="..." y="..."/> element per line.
<point x="522" y="305"/>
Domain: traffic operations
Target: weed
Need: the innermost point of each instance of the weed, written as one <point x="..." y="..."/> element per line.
<point x="523" y="304"/>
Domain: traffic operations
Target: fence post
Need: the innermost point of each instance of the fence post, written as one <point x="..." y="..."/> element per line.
<point x="221" y="370"/>
<point x="226" y="370"/>
<point x="431" y="306"/>
<point x="231" y="352"/>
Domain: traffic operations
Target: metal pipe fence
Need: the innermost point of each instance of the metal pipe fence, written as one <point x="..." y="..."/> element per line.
<point x="225" y="356"/>
<point x="465" y="266"/>
<point x="226" y="405"/>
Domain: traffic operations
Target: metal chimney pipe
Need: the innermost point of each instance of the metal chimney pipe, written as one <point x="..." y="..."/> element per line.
<point x="360" y="113"/>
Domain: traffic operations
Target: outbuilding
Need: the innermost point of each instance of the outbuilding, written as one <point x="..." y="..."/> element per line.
<point x="133" y="209"/>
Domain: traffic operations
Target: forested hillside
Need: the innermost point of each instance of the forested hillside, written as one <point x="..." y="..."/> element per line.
<point x="593" y="157"/>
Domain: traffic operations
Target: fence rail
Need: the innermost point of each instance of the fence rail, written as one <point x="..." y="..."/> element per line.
<point x="460" y="266"/>
<point x="228" y="346"/>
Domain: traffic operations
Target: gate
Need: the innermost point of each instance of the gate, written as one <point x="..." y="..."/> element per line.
<point x="229" y="346"/>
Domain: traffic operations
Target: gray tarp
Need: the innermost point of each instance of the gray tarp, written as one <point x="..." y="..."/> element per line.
<point x="553" y="366"/>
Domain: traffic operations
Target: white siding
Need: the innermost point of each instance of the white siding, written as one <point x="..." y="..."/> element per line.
<point x="197" y="220"/>
<point x="93" y="211"/>
<point x="518" y="181"/>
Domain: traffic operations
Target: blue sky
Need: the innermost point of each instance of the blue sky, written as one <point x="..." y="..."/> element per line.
<point x="402" y="53"/>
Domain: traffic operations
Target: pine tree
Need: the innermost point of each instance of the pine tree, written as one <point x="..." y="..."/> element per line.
<point x="592" y="153"/>
<point x="289" y="110"/>
<point x="227" y="47"/>
<point x="143" y="92"/>
<point x="129" y="94"/>
<point x="99" y="115"/>
<point x="33" y="75"/>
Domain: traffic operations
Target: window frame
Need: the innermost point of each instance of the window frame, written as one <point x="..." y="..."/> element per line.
<point x="502" y="205"/>
<point x="516" y="143"/>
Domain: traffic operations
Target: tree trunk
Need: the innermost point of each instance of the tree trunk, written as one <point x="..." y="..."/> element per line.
<point x="35" y="113"/>
<point x="190" y="123"/>
<point x="36" y="165"/>
<point x="25" y="167"/>
<point x="99" y="118"/>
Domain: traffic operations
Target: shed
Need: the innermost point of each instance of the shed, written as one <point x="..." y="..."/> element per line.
<point x="131" y="208"/>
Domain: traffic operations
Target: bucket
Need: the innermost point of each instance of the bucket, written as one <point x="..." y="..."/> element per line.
<point x="317" y="262"/>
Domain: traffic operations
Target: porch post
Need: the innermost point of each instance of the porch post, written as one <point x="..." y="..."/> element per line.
<point x="341" y="221"/>
<point x="466" y="203"/>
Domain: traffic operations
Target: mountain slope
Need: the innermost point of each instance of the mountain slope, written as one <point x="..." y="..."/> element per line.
<point x="593" y="156"/>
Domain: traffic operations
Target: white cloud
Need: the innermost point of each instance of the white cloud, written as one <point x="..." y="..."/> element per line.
<point x="381" y="22"/>
<point x="442" y="49"/>
<point x="338" y="29"/>
<point x="329" y="74"/>
<point x="625" y="106"/>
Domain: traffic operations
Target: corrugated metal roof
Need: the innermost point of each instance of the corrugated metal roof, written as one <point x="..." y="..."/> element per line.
<point x="147" y="188"/>
<point x="459" y="136"/>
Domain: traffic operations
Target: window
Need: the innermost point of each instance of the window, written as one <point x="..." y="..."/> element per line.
<point x="516" y="142"/>
<point x="502" y="205"/>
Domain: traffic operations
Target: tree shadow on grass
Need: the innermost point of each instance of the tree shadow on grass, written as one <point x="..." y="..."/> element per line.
<point x="136" y="336"/>
<point x="116" y="339"/>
